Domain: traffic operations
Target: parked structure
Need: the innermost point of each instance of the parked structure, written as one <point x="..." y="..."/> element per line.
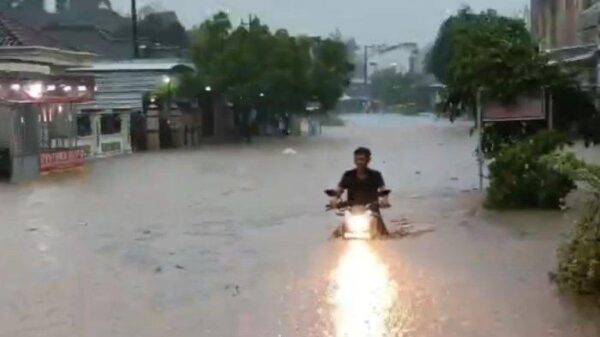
<point x="37" y="102"/>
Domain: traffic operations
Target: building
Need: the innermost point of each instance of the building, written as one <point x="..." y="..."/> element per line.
<point x="121" y="88"/>
<point x="92" y="26"/>
<point x="568" y="33"/>
<point x="554" y="22"/>
<point x="564" y="23"/>
<point x="38" y="102"/>
<point x="123" y="94"/>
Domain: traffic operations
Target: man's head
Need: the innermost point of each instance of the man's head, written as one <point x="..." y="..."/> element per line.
<point x="362" y="157"/>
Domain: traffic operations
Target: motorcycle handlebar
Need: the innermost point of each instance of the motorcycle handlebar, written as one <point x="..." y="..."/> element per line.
<point x="344" y="205"/>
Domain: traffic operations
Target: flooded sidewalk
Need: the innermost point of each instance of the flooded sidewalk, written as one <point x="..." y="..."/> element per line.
<point x="232" y="240"/>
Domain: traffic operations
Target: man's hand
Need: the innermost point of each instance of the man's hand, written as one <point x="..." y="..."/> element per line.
<point x="384" y="202"/>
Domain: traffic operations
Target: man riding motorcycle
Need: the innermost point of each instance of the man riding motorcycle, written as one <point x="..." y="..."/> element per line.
<point x="363" y="186"/>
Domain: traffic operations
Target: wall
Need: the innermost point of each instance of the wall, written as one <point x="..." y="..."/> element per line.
<point x="97" y="145"/>
<point x="556" y="22"/>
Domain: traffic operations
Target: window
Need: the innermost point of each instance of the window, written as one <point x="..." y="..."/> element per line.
<point x="84" y="126"/>
<point x="110" y="124"/>
<point x="57" y="127"/>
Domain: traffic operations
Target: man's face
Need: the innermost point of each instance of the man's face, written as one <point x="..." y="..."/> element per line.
<point x="361" y="161"/>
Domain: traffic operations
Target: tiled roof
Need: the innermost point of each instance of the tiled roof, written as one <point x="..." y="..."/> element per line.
<point x="13" y="33"/>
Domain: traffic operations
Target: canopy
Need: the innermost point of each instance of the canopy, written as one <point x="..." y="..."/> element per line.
<point x="78" y="89"/>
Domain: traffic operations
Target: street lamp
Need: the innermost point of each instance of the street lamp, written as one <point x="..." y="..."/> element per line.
<point x="262" y="94"/>
<point x="166" y="79"/>
<point x="208" y="88"/>
<point x="134" y="29"/>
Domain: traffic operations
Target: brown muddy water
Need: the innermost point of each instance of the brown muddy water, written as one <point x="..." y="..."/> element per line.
<point x="232" y="240"/>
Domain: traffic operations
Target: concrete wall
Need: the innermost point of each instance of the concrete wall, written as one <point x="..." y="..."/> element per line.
<point x="555" y="23"/>
<point x="20" y="133"/>
<point x="98" y="145"/>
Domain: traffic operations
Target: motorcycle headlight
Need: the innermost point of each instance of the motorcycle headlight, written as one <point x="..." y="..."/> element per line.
<point x="358" y="224"/>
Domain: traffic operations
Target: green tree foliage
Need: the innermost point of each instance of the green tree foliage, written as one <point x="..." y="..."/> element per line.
<point x="498" y="55"/>
<point x="269" y="71"/>
<point x="440" y="55"/>
<point x="579" y="256"/>
<point x="330" y="71"/>
<point x="153" y="28"/>
<point x="520" y="179"/>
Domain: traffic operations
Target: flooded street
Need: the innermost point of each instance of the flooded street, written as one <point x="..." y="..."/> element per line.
<point x="232" y="240"/>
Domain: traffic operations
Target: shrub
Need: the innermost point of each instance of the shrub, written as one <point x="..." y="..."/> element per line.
<point x="579" y="256"/>
<point x="518" y="179"/>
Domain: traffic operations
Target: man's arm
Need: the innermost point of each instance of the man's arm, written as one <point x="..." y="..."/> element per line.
<point x="340" y="189"/>
<point x="384" y="200"/>
<point x="343" y="185"/>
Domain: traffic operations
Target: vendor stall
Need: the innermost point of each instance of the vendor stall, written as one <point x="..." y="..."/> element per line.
<point x="38" y="123"/>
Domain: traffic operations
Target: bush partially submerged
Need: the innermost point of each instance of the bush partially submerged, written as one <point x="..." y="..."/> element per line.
<point x="579" y="257"/>
<point x="519" y="180"/>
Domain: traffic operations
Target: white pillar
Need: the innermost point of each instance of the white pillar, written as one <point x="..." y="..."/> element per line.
<point x="96" y="149"/>
<point x="125" y="132"/>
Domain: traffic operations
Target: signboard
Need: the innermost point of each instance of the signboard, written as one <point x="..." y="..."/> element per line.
<point x="61" y="159"/>
<point x="525" y="108"/>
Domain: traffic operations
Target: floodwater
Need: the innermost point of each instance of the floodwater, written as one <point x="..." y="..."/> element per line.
<point x="233" y="240"/>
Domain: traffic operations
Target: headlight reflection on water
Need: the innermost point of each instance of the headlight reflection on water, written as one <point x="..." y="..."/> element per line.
<point x="363" y="296"/>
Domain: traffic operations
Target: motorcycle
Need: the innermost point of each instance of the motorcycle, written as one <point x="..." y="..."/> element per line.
<point x="360" y="222"/>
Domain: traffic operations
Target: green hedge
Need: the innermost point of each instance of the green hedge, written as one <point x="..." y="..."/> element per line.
<point x="518" y="179"/>
<point x="579" y="257"/>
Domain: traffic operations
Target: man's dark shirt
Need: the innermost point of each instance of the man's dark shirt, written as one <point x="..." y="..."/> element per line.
<point x="362" y="191"/>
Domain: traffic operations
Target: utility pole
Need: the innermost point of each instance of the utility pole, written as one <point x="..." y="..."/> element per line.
<point x="134" y="29"/>
<point x="366" y="66"/>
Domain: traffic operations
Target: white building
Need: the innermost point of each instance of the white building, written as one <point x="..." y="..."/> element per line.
<point x="105" y="125"/>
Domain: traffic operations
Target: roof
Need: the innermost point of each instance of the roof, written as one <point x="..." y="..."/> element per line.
<point x="137" y="65"/>
<point x="13" y="33"/>
<point x="93" y="39"/>
<point x="573" y="54"/>
<point x="121" y="85"/>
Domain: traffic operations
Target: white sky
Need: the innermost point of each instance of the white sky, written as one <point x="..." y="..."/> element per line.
<point x="370" y="21"/>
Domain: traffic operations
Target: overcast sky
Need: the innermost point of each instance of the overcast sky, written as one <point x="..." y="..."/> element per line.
<point x="371" y="21"/>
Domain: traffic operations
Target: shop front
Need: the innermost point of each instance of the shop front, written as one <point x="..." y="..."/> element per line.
<point x="38" y="124"/>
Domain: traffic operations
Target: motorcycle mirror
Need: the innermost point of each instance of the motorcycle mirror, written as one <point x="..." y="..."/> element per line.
<point x="331" y="193"/>
<point x="384" y="193"/>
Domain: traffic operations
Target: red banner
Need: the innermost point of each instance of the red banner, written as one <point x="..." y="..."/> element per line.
<point x="62" y="159"/>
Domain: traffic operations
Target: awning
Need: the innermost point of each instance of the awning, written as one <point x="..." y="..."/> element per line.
<point x="573" y="54"/>
<point x="57" y="90"/>
<point x="576" y="59"/>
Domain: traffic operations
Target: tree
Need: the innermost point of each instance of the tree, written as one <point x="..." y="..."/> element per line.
<point x="439" y="57"/>
<point x="157" y="30"/>
<point x="274" y="71"/>
<point x="497" y="54"/>
<point x="330" y="72"/>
